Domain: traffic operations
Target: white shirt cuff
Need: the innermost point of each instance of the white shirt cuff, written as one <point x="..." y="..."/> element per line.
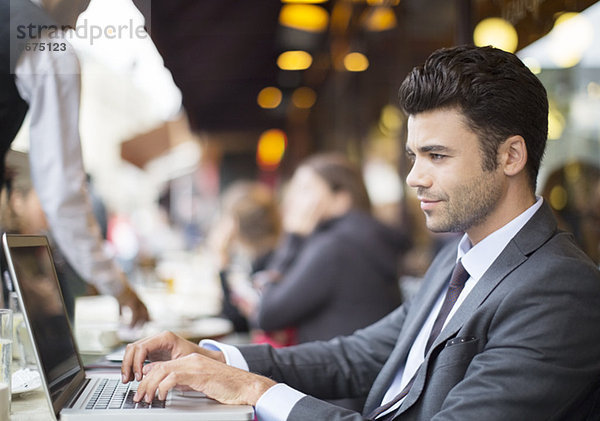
<point x="277" y="403"/>
<point x="233" y="356"/>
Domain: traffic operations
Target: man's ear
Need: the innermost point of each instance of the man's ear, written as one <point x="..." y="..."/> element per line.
<point x="513" y="155"/>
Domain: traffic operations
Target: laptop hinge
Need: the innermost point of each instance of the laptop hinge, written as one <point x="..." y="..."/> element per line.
<point x="75" y="397"/>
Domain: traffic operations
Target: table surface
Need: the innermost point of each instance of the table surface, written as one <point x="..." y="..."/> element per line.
<point x="30" y="406"/>
<point x="33" y="405"/>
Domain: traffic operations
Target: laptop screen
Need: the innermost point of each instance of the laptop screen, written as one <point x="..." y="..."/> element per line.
<point x="33" y="267"/>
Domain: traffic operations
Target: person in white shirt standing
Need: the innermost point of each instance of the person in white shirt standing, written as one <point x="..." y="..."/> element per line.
<point x="511" y="335"/>
<point x="41" y="76"/>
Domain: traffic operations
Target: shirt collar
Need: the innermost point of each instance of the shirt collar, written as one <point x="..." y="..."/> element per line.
<point x="477" y="259"/>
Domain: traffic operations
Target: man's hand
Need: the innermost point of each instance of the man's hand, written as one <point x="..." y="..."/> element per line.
<point x="162" y="347"/>
<point x="139" y="312"/>
<point x="216" y="380"/>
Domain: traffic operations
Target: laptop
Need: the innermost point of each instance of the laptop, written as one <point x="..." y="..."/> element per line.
<point x="72" y="393"/>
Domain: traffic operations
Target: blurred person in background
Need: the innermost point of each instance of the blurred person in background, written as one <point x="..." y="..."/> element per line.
<point x="22" y="213"/>
<point x="573" y="191"/>
<point x="335" y="269"/>
<point x="242" y="242"/>
<point x="45" y="83"/>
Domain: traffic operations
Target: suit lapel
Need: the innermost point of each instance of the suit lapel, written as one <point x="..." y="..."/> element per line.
<point x="510" y="258"/>
<point x="535" y="233"/>
<point x="420" y="309"/>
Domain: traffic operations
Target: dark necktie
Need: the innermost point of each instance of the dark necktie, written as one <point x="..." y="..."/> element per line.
<point x="456" y="285"/>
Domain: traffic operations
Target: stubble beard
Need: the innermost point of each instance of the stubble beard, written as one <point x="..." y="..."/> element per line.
<point x="469" y="205"/>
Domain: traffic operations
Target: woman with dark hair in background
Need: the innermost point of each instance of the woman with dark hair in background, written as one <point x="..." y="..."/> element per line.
<point x="336" y="268"/>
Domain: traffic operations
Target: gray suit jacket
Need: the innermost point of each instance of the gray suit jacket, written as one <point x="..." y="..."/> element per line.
<point x="531" y="349"/>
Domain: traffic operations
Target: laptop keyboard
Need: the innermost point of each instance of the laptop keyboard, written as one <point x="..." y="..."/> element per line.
<point x="112" y="394"/>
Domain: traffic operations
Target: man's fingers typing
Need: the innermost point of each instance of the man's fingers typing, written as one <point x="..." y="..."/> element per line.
<point x="166" y="384"/>
<point x="126" y="372"/>
<point x="149" y="385"/>
<point x="133" y="362"/>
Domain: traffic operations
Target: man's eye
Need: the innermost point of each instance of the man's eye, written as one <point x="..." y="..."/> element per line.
<point x="437" y="156"/>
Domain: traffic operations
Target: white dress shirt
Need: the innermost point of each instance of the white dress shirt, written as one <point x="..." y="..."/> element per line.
<point x="476" y="260"/>
<point x="50" y="83"/>
<point x="277" y="403"/>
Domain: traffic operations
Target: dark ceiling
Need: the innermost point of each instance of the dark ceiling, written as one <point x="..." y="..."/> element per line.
<point x="223" y="52"/>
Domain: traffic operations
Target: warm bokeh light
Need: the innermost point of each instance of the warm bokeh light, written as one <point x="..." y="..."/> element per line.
<point x="496" y="32"/>
<point x="356" y="62"/>
<point x="558" y="197"/>
<point x="294" y="60"/>
<point x="269" y="97"/>
<point x="305" y="1"/>
<point x="391" y="119"/>
<point x="305" y="17"/>
<point x="571" y="36"/>
<point x="383" y="2"/>
<point x="304" y="97"/>
<point x="556" y="123"/>
<point x="593" y="90"/>
<point x="573" y="172"/>
<point x="380" y="19"/>
<point x="270" y="149"/>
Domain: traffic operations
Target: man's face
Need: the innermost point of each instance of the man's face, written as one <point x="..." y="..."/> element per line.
<point x="456" y="194"/>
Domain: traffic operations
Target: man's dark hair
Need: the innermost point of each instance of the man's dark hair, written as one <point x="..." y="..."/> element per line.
<point x="493" y="89"/>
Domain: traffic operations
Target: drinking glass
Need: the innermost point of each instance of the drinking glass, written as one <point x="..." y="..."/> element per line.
<point x="6" y="339"/>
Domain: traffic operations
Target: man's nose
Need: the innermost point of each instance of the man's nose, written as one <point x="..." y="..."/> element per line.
<point x="418" y="176"/>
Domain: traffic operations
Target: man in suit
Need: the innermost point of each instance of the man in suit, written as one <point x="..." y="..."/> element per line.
<point x="512" y="336"/>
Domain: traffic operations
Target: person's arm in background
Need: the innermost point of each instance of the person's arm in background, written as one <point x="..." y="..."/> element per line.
<point x="304" y="265"/>
<point x="283" y="256"/>
<point x="51" y="85"/>
<point x="310" y="276"/>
